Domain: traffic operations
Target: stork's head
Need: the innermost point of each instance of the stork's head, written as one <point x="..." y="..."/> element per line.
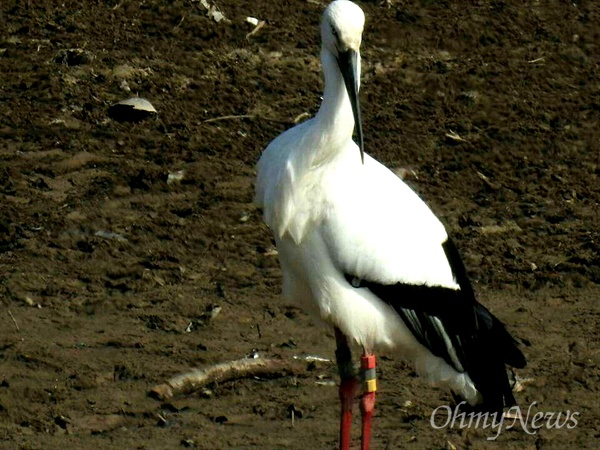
<point x="341" y="33"/>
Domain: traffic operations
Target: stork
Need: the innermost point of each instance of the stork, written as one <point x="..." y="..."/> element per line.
<point x="361" y="249"/>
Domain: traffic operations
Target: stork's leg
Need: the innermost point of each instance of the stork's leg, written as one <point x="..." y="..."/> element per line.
<point x="348" y="384"/>
<point x="367" y="403"/>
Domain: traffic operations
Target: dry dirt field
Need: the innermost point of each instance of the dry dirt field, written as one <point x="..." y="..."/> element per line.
<point x="491" y="107"/>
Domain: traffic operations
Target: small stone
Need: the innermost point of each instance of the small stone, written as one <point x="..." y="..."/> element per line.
<point x="134" y="109"/>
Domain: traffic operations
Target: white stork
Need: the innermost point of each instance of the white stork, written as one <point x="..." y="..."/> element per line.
<point x="361" y="249"/>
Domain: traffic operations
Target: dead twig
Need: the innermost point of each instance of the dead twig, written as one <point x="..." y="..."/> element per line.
<point x="196" y="379"/>
<point x="454" y="136"/>
<point x="13" y="319"/>
<point x="537" y="60"/>
<point x="247" y="116"/>
<point x="256" y="29"/>
<point x="179" y="24"/>
<point x="301" y="117"/>
<point x="489" y="183"/>
<point x="6" y="303"/>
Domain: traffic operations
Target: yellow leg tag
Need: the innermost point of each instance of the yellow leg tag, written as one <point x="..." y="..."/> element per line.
<point x="371" y="385"/>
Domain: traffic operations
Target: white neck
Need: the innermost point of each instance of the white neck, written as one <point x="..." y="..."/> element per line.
<point x="335" y="114"/>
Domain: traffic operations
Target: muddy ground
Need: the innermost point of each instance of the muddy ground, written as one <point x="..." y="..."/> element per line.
<point x="491" y="108"/>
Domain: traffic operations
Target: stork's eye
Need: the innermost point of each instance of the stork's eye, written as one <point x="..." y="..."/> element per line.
<point x="335" y="33"/>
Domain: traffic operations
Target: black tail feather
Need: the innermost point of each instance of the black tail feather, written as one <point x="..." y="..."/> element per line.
<point x="505" y="343"/>
<point x="488" y="371"/>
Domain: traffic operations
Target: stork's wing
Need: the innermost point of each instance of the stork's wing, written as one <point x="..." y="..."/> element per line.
<point x="396" y="247"/>
<point x="378" y="229"/>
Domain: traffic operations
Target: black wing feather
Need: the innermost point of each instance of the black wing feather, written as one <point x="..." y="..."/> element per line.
<point x="481" y="344"/>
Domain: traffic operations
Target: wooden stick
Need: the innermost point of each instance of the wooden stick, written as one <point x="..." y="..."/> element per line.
<point x="5" y="301"/>
<point x="13" y="319"/>
<point x="247" y="116"/>
<point x="256" y="28"/>
<point x="194" y="380"/>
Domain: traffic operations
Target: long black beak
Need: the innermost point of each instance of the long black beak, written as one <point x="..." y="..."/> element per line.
<point x="348" y="63"/>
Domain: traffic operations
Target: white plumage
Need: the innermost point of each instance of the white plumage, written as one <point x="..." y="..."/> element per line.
<point x="334" y="216"/>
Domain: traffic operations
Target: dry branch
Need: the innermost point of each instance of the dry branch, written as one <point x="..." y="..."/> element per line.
<point x="13" y="319"/>
<point x="256" y="29"/>
<point x="248" y="116"/>
<point x="10" y="314"/>
<point x="196" y="379"/>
